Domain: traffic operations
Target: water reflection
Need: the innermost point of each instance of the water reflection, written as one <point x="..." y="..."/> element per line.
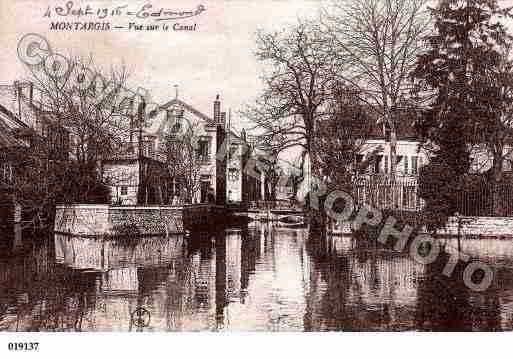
<point x="259" y="277"/>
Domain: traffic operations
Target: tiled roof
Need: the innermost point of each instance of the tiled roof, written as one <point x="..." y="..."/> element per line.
<point x="8" y="102"/>
<point x="209" y="120"/>
<point x="7" y="139"/>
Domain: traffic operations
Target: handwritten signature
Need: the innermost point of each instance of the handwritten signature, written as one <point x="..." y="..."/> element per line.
<point x="146" y="11"/>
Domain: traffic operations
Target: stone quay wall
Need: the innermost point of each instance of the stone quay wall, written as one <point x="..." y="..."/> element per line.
<point x="469" y="227"/>
<point x="104" y="219"/>
<point x="480" y="227"/>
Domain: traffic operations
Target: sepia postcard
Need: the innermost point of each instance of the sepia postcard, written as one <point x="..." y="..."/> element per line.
<point x="254" y="166"/>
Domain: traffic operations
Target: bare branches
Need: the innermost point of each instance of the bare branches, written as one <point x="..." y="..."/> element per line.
<point x="296" y="86"/>
<point x="184" y="162"/>
<point x="97" y="126"/>
<point x="380" y="40"/>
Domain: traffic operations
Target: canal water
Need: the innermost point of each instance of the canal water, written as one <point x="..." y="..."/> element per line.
<point x="256" y="278"/>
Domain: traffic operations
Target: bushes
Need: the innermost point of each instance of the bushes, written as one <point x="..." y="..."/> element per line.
<point x="446" y="194"/>
<point x="81" y="184"/>
<point x="438" y="186"/>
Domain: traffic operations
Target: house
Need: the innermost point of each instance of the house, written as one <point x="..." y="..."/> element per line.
<point x="409" y="155"/>
<point x="27" y="136"/>
<point x="243" y="185"/>
<point x="30" y="124"/>
<point x="209" y="134"/>
<point x="137" y="172"/>
<point x="140" y="174"/>
<point x="10" y="211"/>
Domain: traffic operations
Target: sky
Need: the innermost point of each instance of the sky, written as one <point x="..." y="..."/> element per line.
<point x="217" y="58"/>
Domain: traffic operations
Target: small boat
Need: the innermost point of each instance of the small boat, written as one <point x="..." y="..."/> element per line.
<point x="292" y="221"/>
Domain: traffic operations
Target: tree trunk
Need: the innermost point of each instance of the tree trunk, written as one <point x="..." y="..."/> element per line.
<point x="498" y="209"/>
<point x="317" y="218"/>
<point x="393" y="165"/>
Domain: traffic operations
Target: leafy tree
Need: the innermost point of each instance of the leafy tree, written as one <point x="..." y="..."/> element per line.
<point x="342" y="135"/>
<point x="464" y="55"/>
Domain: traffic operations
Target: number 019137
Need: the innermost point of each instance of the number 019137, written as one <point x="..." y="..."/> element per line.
<point x="23" y="346"/>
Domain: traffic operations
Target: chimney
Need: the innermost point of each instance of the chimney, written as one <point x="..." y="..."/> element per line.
<point x="17" y="96"/>
<point x="223" y="118"/>
<point x="217" y="110"/>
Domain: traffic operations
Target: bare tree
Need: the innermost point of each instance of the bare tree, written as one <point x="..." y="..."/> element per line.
<point x="184" y="162"/>
<point x="297" y="84"/>
<point x="380" y="41"/>
<point x="98" y="120"/>
<point x="75" y="127"/>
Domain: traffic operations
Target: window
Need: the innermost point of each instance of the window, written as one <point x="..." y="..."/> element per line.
<point x="203" y="149"/>
<point x="204" y="188"/>
<point x="233" y="152"/>
<point x="177" y="125"/>
<point x="414" y="165"/>
<point x="6" y="171"/>
<point x="507" y="165"/>
<point x="150" y="148"/>
<point x="385" y="164"/>
<point x="124" y="190"/>
<point x="377" y="163"/>
<point x="405" y="165"/>
<point x="358" y="161"/>
<point x="398" y="160"/>
<point x="233" y="174"/>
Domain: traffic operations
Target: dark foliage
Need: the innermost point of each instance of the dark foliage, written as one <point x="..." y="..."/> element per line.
<point x="463" y="56"/>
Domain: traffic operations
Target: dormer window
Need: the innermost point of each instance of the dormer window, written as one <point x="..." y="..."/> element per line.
<point x="176" y="126"/>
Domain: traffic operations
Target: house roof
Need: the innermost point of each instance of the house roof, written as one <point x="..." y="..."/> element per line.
<point x="7" y="138"/>
<point x="405" y="130"/>
<point x="176" y="101"/>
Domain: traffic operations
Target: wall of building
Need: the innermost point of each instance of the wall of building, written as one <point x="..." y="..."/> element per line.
<point x="204" y="131"/>
<point x="408" y="151"/>
<point x="122" y="175"/>
<point x="208" y="168"/>
<point x="234" y="173"/>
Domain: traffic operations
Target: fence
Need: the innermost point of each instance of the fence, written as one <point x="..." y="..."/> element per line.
<point x="479" y="200"/>
<point x="383" y="194"/>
